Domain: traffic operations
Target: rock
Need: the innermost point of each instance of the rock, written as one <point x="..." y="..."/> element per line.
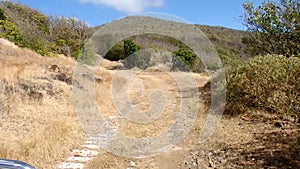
<point x="55" y="68"/>
<point x="278" y="124"/>
<point x="92" y="77"/>
<point x="63" y="78"/>
<point x="31" y="89"/>
<point x="132" y="164"/>
<point x="211" y="164"/>
<point x="111" y="65"/>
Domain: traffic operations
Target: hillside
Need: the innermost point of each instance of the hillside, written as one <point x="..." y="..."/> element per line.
<point x="39" y="125"/>
<point x="42" y="87"/>
<point x="226" y="41"/>
<point x="49" y="35"/>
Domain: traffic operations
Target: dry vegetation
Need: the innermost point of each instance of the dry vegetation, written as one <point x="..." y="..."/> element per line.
<point x="39" y="125"/>
<point x="139" y="93"/>
<point x="257" y="139"/>
<point x="38" y="122"/>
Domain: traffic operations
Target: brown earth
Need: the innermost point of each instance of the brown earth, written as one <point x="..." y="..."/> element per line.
<point x="254" y="140"/>
<point x="39" y="125"/>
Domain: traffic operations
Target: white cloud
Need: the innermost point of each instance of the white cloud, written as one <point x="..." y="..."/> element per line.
<point x="129" y="6"/>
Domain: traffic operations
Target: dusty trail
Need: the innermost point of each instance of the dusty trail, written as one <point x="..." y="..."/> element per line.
<point x="156" y="99"/>
<point x="39" y="124"/>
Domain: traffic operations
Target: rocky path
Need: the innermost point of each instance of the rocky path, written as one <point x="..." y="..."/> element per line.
<point x="80" y="156"/>
<point x="150" y="93"/>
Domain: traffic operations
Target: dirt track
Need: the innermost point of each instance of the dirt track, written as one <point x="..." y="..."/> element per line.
<point x="147" y="105"/>
<point x="40" y="126"/>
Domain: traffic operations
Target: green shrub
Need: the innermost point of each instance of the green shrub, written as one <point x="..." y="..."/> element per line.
<point x="122" y="50"/>
<point x="213" y="66"/>
<point x="130" y="47"/>
<point x="39" y="45"/>
<point x="45" y="35"/>
<point x="184" y="59"/>
<point x="116" y="53"/>
<point x="8" y="30"/>
<point x="229" y="60"/>
<point x="268" y="83"/>
<point x="2" y="15"/>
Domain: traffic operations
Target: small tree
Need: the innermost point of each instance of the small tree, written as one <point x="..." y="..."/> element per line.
<point x="184" y="59"/>
<point x="133" y="56"/>
<point x="130" y="47"/>
<point x="274" y="28"/>
<point x="116" y="53"/>
<point x="69" y="33"/>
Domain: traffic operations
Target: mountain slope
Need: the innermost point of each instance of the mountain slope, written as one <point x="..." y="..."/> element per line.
<point x="49" y="35"/>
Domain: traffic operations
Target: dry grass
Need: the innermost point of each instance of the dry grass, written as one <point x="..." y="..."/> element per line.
<point x="140" y="88"/>
<point x="245" y="141"/>
<point x="108" y="161"/>
<point x="38" y="123"/>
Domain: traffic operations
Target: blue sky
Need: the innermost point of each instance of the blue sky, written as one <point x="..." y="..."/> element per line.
<point x="96" y="12"/>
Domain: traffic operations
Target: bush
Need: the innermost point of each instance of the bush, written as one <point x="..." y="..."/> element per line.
<point x="116" y="53"/>
<point x="184" y="59"/>
<point x="274" y="27"/>
<point x="88" y="55"/>
<point x="17" y="29"/>
<point x="122" y="50"/>
<point x="130" y="47"/>
<point x="69" y="34"/>
<point x="2" y="15"/>
<point x="8" y="30"/>
<point x="268" y="83"/>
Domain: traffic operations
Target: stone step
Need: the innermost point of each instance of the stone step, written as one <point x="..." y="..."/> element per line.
<point x="71" y="165"/>
<point x="90" y="146"/>
<point x="85" y="153"/>
<point x="79" y="159"/>
<point x="91" y="142"/>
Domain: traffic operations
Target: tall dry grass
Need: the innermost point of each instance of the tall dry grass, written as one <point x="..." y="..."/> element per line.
<point x="39" y="130"/>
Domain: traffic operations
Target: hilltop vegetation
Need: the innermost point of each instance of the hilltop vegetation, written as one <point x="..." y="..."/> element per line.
<point x="47" y="35"/>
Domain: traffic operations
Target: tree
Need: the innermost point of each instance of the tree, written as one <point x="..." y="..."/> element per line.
<point x="130" y="47"/>
<point x="184" y="59"/>
<point x="69" y="34"/>
<point x="274" y="28"/>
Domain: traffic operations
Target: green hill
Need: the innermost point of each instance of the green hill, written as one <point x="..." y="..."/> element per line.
<point x="50" y="35"/>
